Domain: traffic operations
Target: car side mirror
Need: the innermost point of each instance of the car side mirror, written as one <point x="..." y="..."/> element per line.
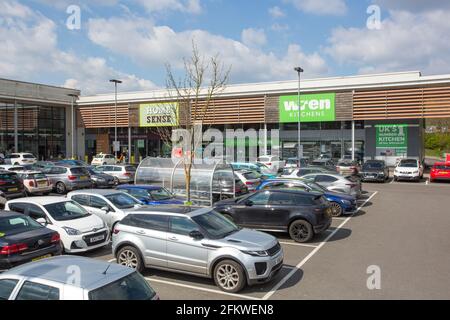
<point x="248" y="203"/>
<point x="195" y="234"/>
<point x="106" y="209"/>
<point x="41" y="221"/>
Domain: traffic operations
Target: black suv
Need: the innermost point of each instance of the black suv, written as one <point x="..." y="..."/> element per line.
<point x="374" y="170"/>
<point x="10" y="186"/>
<point x="301" y="214"/>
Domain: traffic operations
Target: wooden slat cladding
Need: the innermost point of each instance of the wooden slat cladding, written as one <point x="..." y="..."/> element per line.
<point x="231" y="111"/>
<point x="344" y="106"/>
<point x="272" y="109"/>
<point x="104" y="116"/>
<point x="425" y="102"/>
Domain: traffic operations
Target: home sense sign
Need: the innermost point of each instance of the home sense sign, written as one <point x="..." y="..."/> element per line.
<point x="313" y="108"/>
<point x="158" y="114"/>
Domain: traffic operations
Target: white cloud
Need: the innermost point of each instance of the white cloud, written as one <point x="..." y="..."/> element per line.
<point x="279" y="27"/>
<point x="406" y="41"/>
<point x="152" y="46"/>
<point x="320" y="7"/>
<point x="276" y="12"/>
<point x="189" y="6"/>
<point x="30" y="52"/>
<point x="412" y="5"/>
<point x="253" y="37"/>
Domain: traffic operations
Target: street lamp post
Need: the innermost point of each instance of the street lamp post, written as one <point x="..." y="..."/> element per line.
<point x="73" y="97"/>
<point x="299" y="153"/>
<point x="115" y="81"/>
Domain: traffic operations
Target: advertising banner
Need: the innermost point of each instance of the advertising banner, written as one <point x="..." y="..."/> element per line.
<point x="313" y="108"/>
<point x="158" y="114"/>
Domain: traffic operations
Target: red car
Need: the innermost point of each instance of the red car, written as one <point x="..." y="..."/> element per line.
<point x="440" y="171"/>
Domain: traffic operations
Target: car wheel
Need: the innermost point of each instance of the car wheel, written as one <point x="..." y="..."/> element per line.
<point x="60" y="188"/>
<point x="336" y="209"/>
<point x="16" y="164"/>
<point x="301" y="231"/>
<point x="130" y="257"/>
<point x="104" y="164"/>
<point x="229" y="276"/>
<point x="228" y="217"/>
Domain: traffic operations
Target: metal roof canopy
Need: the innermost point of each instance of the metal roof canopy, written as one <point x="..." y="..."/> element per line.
<point x="209" y="182"/>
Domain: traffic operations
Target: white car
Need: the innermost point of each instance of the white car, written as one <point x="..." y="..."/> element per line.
<point x="103" y="158"/>
<point x="274" y="163"/>
<point x="408" y="169"/>
<point x="20" y="159"/>
<point x="80" y="231"/>
<point x="250" y="178"/>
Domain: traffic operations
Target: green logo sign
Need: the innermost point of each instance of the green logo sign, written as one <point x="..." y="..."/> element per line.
<point x="313" y="108"/>
<point x="158" y="115"/>
<point x="392" y="136"/>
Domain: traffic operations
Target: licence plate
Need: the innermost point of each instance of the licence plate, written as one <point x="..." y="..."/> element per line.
<point x="83" y="178"/>
<point x="41" y="257"/>
<point x="371" y="177"/>
<point x="98" y="238"/>
<point x="13" y="189"/>
<point x="42" y="183"/>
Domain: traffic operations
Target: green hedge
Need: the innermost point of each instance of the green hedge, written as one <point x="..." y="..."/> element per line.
<point x="437" y="143"/>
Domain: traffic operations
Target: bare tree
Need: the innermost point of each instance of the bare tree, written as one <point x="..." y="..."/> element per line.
<point x="204" y="78"/>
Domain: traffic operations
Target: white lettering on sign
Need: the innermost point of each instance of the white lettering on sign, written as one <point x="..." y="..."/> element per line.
<point x="314" y="104"/>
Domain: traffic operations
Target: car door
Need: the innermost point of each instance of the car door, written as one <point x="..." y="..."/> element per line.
<point x="7" y="287"/>
<point x="96" y="206"/>
<point x="184" y="252"/>
<point x="324" y="180"/>
<point x="39" y="290"/>
<point x="252" y="210"/>
<point x="280" y="206"/>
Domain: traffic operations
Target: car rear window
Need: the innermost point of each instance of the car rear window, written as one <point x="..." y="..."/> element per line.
<point x="79" y="171"/>
<point x="250" y="175"/>
<point x="131" y="287"/>
<point x="442" y="167"/>
<point x="130" y="168"/>
<point x="37" y="176"/>
<point x="8" y="177"/>
<point x="264" y="159"/>
<point x="17" y="224"/>
<point x="28" y="156"/>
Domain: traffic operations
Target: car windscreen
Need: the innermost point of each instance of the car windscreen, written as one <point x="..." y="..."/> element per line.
<point x="131" y="287"/>
<point x="287" y="171"/>
<point x="264" y="159"/>
<point x="373" y="165"/>
<point x="122" y="200"/>
<point x="408" y="164"/>
<point x="345" y="164"/>
<point x="79" y="170"/>
<point x="67" y="210"/>
<point x="160" y="194"/>
<point x="17" y="224"/>
<point x="216" y="225"/>
<point x="250" y="175"/>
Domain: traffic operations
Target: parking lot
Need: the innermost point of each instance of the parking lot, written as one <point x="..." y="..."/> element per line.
<point x="400" y="227"/>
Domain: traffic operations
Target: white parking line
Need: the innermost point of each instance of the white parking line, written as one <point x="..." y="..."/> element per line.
<point x="111" y="260"/>
<point x="202" y="289"/>
<point x="298" y="244"/>
<point x="312" y="253"/>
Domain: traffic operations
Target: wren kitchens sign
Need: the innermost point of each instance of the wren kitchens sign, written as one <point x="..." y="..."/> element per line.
<point x="313" y="108"/>
<point x="158" y="114"/>
<point x="392" y="136"/>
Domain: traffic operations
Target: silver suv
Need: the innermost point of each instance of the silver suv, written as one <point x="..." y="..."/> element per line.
<point x="199" y="242"/>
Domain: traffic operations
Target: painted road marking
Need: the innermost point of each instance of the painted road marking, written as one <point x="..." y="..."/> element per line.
<point x="313" y="252"/>
<point x="298" y="244"/>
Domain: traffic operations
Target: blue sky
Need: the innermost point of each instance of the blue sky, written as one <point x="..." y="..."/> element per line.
<point x="262" y="40"/>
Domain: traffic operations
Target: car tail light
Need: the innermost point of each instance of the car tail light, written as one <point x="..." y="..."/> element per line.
<point x="55" y="238"/>
<point x="268" y="163"/>
<point x="31" y="183"/>
<point x="13" y="248"/>
<point x="72" y="177"/>
<point x="351" y="185"/>
<point x="2" y="182"/>
<point x="128" y="174"/>
<point x="249" y="183"/>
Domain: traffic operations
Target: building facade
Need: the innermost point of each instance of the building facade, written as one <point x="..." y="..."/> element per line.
<point x="36" y="118"/>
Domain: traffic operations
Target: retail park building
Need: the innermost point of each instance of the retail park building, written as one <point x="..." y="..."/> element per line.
<point x="376" y="116"/>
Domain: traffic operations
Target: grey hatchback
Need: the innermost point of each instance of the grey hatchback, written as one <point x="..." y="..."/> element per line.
<point x="65" y="178"/>
<point x="199" y="242"/>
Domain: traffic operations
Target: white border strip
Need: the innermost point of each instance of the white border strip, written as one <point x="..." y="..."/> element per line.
<point x="298" y="244"/>
<point x="313" y="252"/>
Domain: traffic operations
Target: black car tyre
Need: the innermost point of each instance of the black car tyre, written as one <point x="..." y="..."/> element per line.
<point x="229" y="276"/>
<point x="336" y="209"/>
<point x="301" y="231"/>
<point x="129" y="256"/>
<point x="60" y="188"/>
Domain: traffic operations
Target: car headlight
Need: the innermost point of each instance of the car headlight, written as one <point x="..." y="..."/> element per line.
<point x="346" y="202"/>
<point x="71" y="231"/>
<point x="381" y="173"/>
<point x="261" y="253"/>
<point x="415" y="172"/>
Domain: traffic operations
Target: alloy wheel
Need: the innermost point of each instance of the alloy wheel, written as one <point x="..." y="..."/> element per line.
<point x="336" y="209"/>
<point x="227" y="277"/>
<point x="300" y="232"/>
<point x="128" y="258"/>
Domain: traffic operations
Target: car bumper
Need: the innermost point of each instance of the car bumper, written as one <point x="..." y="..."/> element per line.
<point x="8" y="263"/>
<point x="40" y="189"/>
<point x="411" y="177"/>
<point x="104" y="184"/>
<point x="319" y="228"/>
<point x="82" y="243"/>
<point x="79" y="185"/>
<point x="376" y="178"/>
<point x="272" y="266"/>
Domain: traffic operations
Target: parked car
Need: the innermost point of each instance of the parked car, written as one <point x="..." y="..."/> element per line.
<point x="150" y="195"/>
<point x="14" y="168"/>
<point x="23" y="240"/>
<point x="110" y="205"/>
<point x="408" y="169"/>
<point x="20" y="158"/>
<point x="440" y="171"/>
<point x="200" y="242"/>
<point x="260" y="168"/>
<point x="65" y="178"/>
<point x="71" y="162"/>
<point x="123" y="173"/>
<point x="10" y="185"/>
<point x="274" y="163"/>
<point x="296" y="162"/>
<point x="100" y="179"/>
<point x="249" y="178"/>
<point x="335" y="182"/>
<point x="99" y="280"/>
<point x="299" y="172"/>
<point x="103" y="159"/>
<point x="347" y="167"/>
<point x="79" y="230"/>
<point x="340" y="202"/>
<point x="42" y="164"/>
<point x="35" y="182"/>
<point x="223" y="184"/>
<point x="374" y="170"/>
<point x="325" y="163"/>
<point x="301" y="214"/>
